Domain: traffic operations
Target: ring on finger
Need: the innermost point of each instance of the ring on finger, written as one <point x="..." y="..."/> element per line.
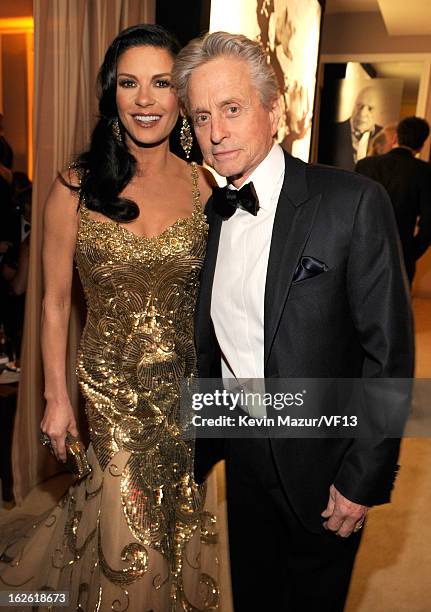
<point x="45" y="440"/>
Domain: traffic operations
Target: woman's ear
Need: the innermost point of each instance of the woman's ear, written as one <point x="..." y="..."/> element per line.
<point x="183" y="111"/>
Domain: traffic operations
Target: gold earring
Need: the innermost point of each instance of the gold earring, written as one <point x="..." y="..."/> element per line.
<point x="186" y="138"/>
<point x="116" y="131"/>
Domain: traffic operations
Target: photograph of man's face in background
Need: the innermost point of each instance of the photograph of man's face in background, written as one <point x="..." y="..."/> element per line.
<point x="368" y="102"/>
<point x="363" y="113"/>
<point x="360" y="108"/>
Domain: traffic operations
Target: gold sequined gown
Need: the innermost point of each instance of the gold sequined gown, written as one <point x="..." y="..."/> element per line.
<point x="136" y="534"/>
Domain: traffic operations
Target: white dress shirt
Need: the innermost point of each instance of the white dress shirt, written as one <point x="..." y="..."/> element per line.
<point x="237" y="304"/>
<point x="360" y="143"/>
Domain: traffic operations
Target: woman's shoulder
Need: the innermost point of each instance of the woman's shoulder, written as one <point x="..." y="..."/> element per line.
<point x="65" y="186"/>
<point x="206" y="180"/>
<point x="206" y="183"/>
<point x="206" y="176"/>
<point x="72" y="175"/>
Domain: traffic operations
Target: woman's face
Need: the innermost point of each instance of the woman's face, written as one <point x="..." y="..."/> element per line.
<point x="146" y="102"/>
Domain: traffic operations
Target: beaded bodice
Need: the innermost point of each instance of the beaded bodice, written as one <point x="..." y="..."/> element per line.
<point x="137" y="345"/>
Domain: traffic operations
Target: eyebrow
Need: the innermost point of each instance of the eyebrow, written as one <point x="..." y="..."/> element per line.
<point x="220" y="105"/>
<point x="155" y="76"/>
<point x="229" y="101"/>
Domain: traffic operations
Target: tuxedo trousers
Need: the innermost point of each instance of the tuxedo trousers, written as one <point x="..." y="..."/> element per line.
<point x="277" y="564"/>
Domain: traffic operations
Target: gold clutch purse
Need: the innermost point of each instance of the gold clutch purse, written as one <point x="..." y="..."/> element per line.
<point x="76" y="457"/>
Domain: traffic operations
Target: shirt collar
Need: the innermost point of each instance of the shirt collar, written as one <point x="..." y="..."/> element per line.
<point x="357" y="134"/>
<point x="266" y="177"/>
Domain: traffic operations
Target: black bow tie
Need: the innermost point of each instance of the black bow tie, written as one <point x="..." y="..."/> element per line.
<point x="226" y="201"/>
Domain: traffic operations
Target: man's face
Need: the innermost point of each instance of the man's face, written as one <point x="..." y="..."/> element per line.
<point x="234" y="130"/>
<point x="363" y="111"/>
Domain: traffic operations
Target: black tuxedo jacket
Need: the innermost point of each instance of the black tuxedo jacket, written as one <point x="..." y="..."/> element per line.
<point x="408" y="183"/>
<point x="353" y="320"/>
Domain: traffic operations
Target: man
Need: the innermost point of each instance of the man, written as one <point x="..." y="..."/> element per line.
<point x="385" y="140"/>
<point x="350" y="139"/>
<point x="309" y="285"/>
<point x="408" y="183"/>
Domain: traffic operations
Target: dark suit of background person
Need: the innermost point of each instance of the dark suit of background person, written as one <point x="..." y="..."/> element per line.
<point x="408" y="183"/>
<point x="352" y="320"/>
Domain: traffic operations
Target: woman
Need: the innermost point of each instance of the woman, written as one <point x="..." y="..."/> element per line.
<point x="128" y="536"/>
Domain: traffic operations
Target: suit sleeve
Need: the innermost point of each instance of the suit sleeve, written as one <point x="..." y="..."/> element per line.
<point x="422" y="239"/>
<point x="380" y="307"/>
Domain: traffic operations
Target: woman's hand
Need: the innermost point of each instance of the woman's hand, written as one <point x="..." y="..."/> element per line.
<point x="59" y="240"/>
<point x="57" y="421"/>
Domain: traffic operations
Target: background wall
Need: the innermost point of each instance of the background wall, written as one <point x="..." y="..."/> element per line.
<point x="366" y="33"/>
<point x="186" y="19"/>
<point x="14" y="77"/>
<point x="16" y="8"/>
<point x="14" y="55"/>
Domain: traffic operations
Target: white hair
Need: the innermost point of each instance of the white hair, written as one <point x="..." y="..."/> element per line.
<point x="222" y="44"/>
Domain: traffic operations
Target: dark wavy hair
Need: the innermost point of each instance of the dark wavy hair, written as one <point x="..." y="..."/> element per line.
<point x="108" y="166"/>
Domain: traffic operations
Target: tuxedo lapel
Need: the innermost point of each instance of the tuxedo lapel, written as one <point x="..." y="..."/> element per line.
<point x="203" y="307"/>
<point x="292" y="226"/>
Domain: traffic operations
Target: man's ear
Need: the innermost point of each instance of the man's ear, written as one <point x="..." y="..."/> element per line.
<point x="274" y="115"/>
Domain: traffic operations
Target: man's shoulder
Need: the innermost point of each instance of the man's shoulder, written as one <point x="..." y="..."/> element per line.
<point x="336" y="179"/>
<point x="337" y="186"/>
<point x="423" y="166"/>
<point x="371" y="160"/>
<point x="411" y="164"/>
<point x="370" y="163"/>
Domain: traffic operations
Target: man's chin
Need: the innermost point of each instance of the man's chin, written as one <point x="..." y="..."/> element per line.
<point x="364" y="128"/>
<point x="227" y="170"/>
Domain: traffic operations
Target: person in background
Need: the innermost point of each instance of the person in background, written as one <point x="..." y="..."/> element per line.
<point x="15" y="269"/>
<point x="14" y="261"/>
<point x="7" y="221"/>
<point x="6" y="178"/>
<point x="408" y="183"/>
<point x="385" y="140"/>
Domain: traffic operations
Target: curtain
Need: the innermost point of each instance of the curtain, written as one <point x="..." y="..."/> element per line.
<point x="71" y="37"/>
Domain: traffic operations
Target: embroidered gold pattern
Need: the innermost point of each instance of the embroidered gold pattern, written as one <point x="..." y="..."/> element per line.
<point x="136" y="348"/>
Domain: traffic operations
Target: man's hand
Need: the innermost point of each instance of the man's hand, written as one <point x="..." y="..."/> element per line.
<point x="344" y="516"/>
